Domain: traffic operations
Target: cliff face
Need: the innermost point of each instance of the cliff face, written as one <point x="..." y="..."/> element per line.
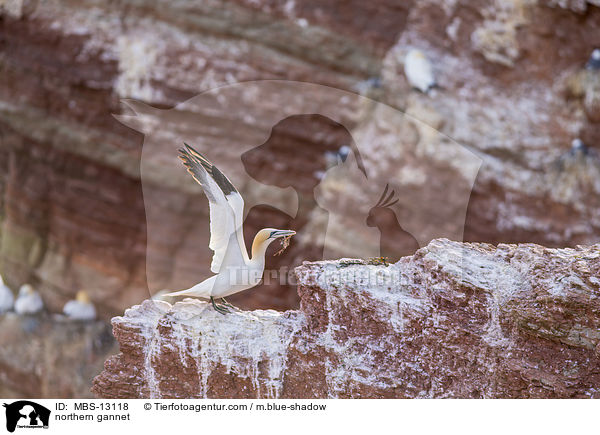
<point x="71" y="206"/>
<point x="454" y="320"/>
<point x="47" y="356"/>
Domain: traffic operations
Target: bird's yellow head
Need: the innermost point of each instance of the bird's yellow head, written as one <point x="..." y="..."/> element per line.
<point x="415" y="54"/>
<point x="265" y="236"/>
<point x="82" y="297"/>
<point x="26" y="290"/>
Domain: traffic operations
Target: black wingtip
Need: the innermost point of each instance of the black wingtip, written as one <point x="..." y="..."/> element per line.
<point x="191" y="149"/>
<point x="184" y="156"/>
<point x="195" y="155"/>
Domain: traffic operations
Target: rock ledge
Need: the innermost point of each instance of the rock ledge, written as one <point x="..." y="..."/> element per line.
<point x="454" y="320"/>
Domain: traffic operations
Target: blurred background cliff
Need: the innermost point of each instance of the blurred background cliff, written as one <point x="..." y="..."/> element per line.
<point x="513" y="89"/>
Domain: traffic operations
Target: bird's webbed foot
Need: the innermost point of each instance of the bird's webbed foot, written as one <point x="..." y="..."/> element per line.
<point x="221" y="309"/>
<point x="227" y="304"/>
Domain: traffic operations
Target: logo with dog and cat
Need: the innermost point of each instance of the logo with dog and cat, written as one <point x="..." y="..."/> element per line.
<point x="25" y="414"/>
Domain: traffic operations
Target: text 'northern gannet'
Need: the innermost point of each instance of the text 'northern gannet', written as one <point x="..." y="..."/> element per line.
<point x="235" y="271"/>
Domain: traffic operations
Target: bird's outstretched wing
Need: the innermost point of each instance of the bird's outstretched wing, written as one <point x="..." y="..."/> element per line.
<point x="226" y="206"/>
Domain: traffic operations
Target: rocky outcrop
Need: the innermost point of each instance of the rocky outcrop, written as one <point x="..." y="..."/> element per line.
<point x="46" y="356"/>
<point x="454" y="320"/>
<point x="71" y="190"/>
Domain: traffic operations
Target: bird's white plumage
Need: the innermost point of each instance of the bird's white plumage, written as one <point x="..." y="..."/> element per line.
<point x="162" y="296"/>
<point x="7" y="298"/>
<point x="235" y="271"/>
<point x="79" y="310"/>
<point x="577" y="145"/>
<point x="222" y="224"/>
<point x="419" y="71"/>
<point x="29" y="301"/>
<point x="226" y="214"/>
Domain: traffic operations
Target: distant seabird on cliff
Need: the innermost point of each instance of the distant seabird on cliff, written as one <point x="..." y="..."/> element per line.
<point x="371" y="88"/>
<point x="234" y="270"/>
<point x="591" y="87"/>
<point x="419" y="71"/>
<point x="29" y="301"/>
<point x="344" y="151"/>
<point x="578" y="147"/>
<point x="81" y="308"/>
<point x="594" y="60"/>
<point x="578" y="156"/>
<point x="333" y="158"/>
<point x="7" y="298"/>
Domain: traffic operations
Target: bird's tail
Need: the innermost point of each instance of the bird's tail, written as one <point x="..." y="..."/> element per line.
<point x="178" y="293"/>
<point x="201" y="290"/>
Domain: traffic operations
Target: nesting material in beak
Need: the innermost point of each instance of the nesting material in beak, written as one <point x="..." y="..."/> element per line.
<point x="285" y="242"/>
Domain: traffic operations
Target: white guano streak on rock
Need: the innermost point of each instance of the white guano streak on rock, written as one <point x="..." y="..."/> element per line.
<point x="476" y="269"/>
<point x="13" y="8"/>
<point x="136" y="60"/>
<point x="364" y="284"/>
<point x="264" y="336"/>
<point x="146" y="317"/>
<point x="240" y="342"/>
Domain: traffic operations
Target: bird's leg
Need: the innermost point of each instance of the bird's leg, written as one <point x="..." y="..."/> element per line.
<point x="227" y="304"/>
<point x="218" y="308"/>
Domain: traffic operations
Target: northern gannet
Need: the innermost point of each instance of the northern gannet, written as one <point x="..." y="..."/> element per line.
<point x="594" y="60"/>
<point x="162" y="296"/>
<point x="81" y="308"/>
<point x="29" y="301"/>
<point x="577" y="146"/>
<point x="419" y="71"/>
<point x="370" y="88"/>
<point x="579" y="154"/>
<point x="7" y="298"/>
<point x="580" y="151"/>
<point x="234" y="270"/>
<point x="591" y="87"/>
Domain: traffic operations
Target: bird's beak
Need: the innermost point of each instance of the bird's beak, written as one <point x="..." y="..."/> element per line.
<point x="283" y="233"/>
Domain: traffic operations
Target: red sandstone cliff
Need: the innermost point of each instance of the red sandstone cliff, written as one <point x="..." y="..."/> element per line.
<point x="71" y="205"/>
<point x="454" y="320"/>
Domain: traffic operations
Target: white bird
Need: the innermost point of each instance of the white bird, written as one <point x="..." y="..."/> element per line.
<point x="591" y="87"/>
<point x="7" y="298"/>
<point x="234" y="270"/>
<point x="581" y="151"/>
<point x="594" y="60"/>
<point x="81" y="308"/>
<point x="371" y="88"/>
<point x="344" y="151"/>
<point x="578" y="155"/>
<point x="419" y="71"/>
<point x="163" y="295"/>
<point x="29" y="301"/>
<point x="577" y="146"/>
